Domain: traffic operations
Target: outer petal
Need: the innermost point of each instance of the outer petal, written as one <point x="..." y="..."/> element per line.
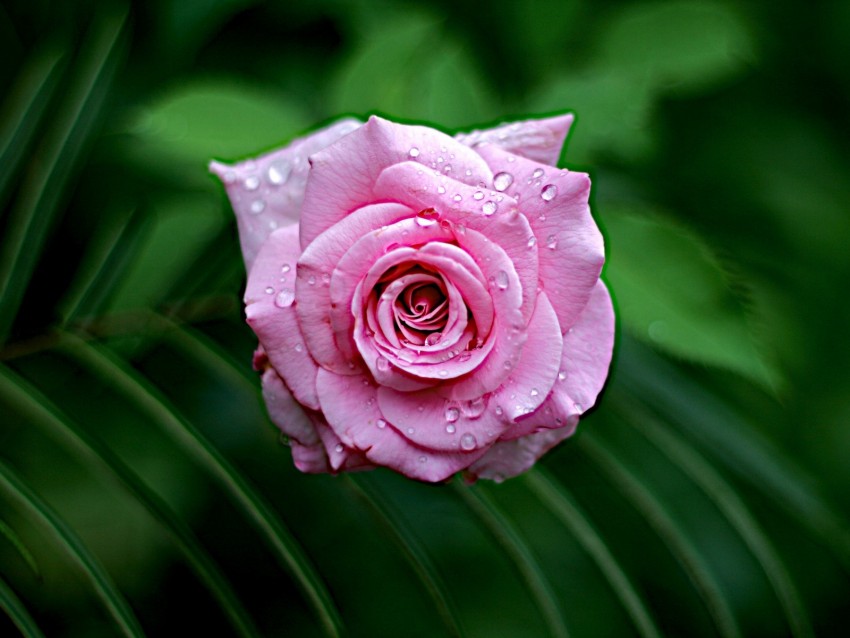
<point x="539" y="140"/>
<point x="350" y="405"/>
<point x="266" y="193"/>
<point x="570" y="247"/>
<point x="269" y="298"/>
<point x="509" y="458"/>
<point x="342" y="175"/>
<point x="586" y="357"/>
<point x="285" y="412"/>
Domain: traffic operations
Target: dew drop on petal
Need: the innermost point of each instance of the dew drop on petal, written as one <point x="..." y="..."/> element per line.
<point x="423" y="459"/>
<point x="338" y="449"/>
<point x="501" y="181"/>
<point x="499" y="410"/>
<point x="258" y="206"/>
<point x="311" y="280"/>
<point x="468" y="442"/>
<point x="502" y="280"/>
<point x="285" y="268"/>
<point x="452" y="414"/>
<point x="381" y="423"/>
<point x="457" y="198"/>
<point x="532" y="241"/>
<point x="413" y="152"/>
<point x="252" y="183"/>
<point x="451" y="429"/>
<point x="562" y="375"/>
<point x="427" y="217"/>
<point x="441" y="190"/>
<point x="382" y="364"/>
<point x="538" y="173"/>
<point x="488" y="208"/>
<point x="551" y="242"/>
<point x="411" y="430"/>
<point x="284" y="298"/>
<point x="478" y="195"/>
<point x="474" y="408"/>
<point x="549" y="192"/>
<point x="444" y="373"/>
<point x="433" y="338"/>
<point x="299" y="347"/>
<point x="534" y="392"/>
<point x="269" y="290"/>
<point x="278" y="172"/>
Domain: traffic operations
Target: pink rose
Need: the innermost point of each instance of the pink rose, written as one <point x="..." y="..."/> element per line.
<point x="425" y="303"/>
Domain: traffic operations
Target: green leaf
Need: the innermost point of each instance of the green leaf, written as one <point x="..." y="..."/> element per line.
<point x="73" y="547"/>
<point x="16" y="611"/>
<point x="686" y="43"/>
<point x="557" y="498"/>
<point x="223" y="118"/>
<point x="40" y="411"/>
<point x="175" y="234"/>
<point x="672" y="292"/>
<point x="409" y="68"/>
<point x="19" y="545"/>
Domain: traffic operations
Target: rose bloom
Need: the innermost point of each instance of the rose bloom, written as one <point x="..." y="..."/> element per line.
<point x="426" y="303"/>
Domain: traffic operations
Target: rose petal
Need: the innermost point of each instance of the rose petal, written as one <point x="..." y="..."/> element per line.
<point x="585" y="359"/>
<point x="318" y="261"/>
<point x="285" y="412"/>
<point x="510" y="458"/>
<point x="489" y="212"/>
<point x="539" y="140"/>
<point x="269" y="310"/>
<point x="570" y="247"/>
<point x="266" y="193"/>
<point x="351" y="408"/>
<point x="342" y="176"/>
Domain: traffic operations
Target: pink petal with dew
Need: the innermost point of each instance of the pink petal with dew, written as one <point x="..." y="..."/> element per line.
<point x="538" y="140"/>
<point x="570" y="247"/>
<point x="350" y="405"/>
<point x="510" y="458"/>
<point x="317" y="263"/>
<point x="343" y="175"/>
<point x="489" y="212"/>
<point x="267" y="192"/>
<point x="269" y="298"/>
<point x="585" y="359"/>
<point x="285" y="412"/>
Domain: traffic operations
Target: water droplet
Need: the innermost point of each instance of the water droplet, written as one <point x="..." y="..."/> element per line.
<point x="562" y="375"/>
<point x="478" y="195"/>
<point x="508" y="364"/>
<point x="499" y="411"/>
<point x="326" y="278"/>
<point x="284" y="298"/>
<point x="538" y="173"/>
<point x="451" y="429"/>
<point x="338" y="449"/>
<point x="311" y="280"/>
<point x="299" y="347"/>
<point x="433" y="338"/>
<point x="474" y="408"/>
<point x="269" y="290"/>
<point x="468" y="172"/>
<point x="413" y="152"/>
<point x="502" y="280"/>
<point x="551" y="242"/>
<point x="452" y="414"/>
<point x="382" y="364"/>
<point x="381" y="423"/>
<point x="252" y="183"/>
<point x="447" y="168"/>
<point x="285" y="268"/>
<point x="489" y="208"/>
<point x="549" y="192"/>
<point x="468" y="442"/>
<point x="278" y="172"/>
<point x="229" y="178"/>
<point x="542" y="217"/>
<point x="283" y="439"/>
<point x="444" y="373"/>
<point x="423" y="459"/>
<point x="411" y="430"/>
<point x="420" y="407"/>
<point x="502" y="181"/>
<point x="532" y="241"/>
<point x="457" y="198"/>
<point x="534" y="392"/>
<point x="427" y="217"/>
<point x="441" y="190"/>
<point x="258" y="206"/>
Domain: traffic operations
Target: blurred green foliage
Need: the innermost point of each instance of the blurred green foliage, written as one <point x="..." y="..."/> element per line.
<point x="141" y="486"/>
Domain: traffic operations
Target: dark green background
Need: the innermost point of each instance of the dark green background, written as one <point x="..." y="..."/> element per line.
<point x="142" y="488"/>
